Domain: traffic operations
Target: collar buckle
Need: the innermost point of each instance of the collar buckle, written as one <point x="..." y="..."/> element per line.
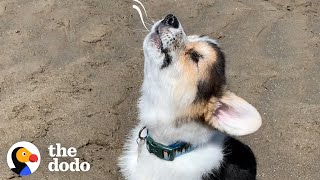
<point x="140" y="140"/>
<point x="170" y="152"/>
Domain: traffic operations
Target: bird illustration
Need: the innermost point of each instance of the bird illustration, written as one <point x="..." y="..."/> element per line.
<point x="20" y="156"/>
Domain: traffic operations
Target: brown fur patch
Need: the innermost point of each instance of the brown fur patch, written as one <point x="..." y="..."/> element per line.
<point x="215" y="82"/>
<point x="201" y="70"/>
<point x="201" y="111"/>
<point x="206" y="77"/>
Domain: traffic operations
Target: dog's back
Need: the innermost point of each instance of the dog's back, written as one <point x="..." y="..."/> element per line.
<point x="238" y="163"/>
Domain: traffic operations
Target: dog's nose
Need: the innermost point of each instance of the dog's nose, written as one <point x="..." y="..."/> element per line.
<point x="171" y="20"/>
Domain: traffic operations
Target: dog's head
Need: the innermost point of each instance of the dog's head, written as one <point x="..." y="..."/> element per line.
<point x="186" y="75"/>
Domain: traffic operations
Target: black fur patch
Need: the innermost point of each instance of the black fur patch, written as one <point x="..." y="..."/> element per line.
<point x="167" y="59"/>
<point x="213" y="86"/>
<point x="239" y="163"/>
<point x="194" y="55"/>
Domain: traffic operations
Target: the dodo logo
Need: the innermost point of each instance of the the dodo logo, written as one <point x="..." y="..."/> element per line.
<point x="23" y="158"/>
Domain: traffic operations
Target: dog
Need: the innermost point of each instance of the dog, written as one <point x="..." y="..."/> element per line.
<point x="187" y="115"/>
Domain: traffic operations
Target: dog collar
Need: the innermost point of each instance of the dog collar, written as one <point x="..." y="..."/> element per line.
<point x="168" y="153"/>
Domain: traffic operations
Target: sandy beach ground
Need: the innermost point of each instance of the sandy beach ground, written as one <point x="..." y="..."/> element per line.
<point x="70" y="73"/>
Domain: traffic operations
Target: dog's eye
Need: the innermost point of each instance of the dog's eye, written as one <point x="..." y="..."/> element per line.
<point x="194" y="55"/>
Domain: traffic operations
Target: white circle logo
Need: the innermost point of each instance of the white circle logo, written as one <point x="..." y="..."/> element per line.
<point x="23" y="158"/>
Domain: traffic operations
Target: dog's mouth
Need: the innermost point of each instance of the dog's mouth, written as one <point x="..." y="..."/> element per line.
<point x="156" y="38"/>
<point x="166" y="34"/>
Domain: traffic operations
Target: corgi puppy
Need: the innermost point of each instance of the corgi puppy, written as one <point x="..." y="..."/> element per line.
<point x="186" y="113"/>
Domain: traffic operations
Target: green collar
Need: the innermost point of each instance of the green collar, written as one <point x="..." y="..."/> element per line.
<point x="164" y="152"/>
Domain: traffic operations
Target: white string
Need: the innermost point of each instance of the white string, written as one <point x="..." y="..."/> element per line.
<point x="139" y="11"/>
<point x="144" y="10"/>
<point x="142" y="7"/>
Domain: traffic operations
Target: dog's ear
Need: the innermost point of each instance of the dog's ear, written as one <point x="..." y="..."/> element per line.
<point x="235" y="116"/>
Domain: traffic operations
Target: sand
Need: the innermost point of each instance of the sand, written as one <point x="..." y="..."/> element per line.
<point x="70" y="73"/>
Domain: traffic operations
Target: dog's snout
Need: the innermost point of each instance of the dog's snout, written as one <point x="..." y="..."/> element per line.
<point x="171" y="20"/>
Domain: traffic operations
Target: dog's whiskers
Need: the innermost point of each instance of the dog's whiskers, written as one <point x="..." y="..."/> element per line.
<point x="151" y="19"/>
<point x="148" y="24"/>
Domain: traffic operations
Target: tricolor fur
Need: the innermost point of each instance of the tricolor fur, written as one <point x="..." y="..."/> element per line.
<point x="184" y="98"/>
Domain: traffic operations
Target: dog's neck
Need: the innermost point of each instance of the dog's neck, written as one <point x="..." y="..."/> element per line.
<point x="160" y="116"/>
